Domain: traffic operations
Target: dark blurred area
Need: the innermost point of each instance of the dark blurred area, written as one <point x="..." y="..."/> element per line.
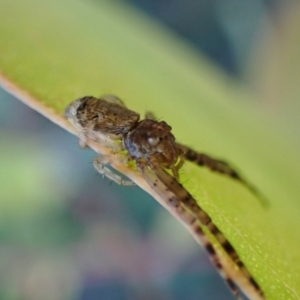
<point x="75" y="235"/>
<point x="225" y="31"/>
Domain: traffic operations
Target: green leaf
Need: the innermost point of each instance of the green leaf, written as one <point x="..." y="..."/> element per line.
<point x="52" y="52"/>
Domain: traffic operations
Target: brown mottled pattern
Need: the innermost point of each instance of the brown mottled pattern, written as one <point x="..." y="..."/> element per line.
<point x="106" y="117"/>
<point x="149" y="138"/>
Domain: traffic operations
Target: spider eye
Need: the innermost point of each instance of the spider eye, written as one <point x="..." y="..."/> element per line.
<point x="153" y="141"/>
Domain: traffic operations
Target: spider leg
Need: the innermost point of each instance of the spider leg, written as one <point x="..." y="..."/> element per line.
<point x="184" y="197"/>
<point x="150" y="115"/>
<point x="175" y="204"/>
<point x="221" y="167"/>
<point x="99" y="164"/>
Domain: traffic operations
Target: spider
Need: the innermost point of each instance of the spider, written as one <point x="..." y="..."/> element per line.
<point x="153" y="147"/>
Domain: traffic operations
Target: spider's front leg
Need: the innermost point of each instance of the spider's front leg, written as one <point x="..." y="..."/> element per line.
<point x="100" y="162"/>
<point x="173" y="202"/>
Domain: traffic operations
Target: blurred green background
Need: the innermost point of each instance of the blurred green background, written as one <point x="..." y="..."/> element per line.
<point x="72" y="234"/>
